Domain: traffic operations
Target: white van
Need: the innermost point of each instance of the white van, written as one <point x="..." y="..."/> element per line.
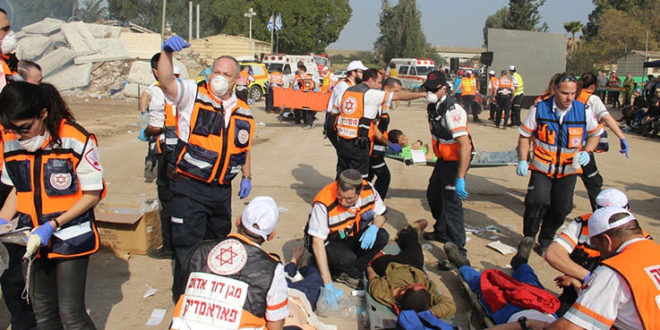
<point x="413" y="71"/>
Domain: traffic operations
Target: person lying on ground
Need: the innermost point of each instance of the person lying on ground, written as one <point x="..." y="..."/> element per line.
<point x="304" y="278"/>
<point x="398" y="137"/>
<point x="399" y="281"/>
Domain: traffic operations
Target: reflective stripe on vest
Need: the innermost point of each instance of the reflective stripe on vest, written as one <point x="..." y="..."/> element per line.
<point x="340" y="219"/>
<point x="555" y="144"/>
<point x="351" y="115"/>
<point x="377" y="148"/>
<point x="603" y="143"/>
<point x="47" y="185"/>
<point x="639" y="264"/>
<point x="306" y="82"/>
<point x="215" y="153"/>
<point x="584" y="254"/>
<point x="169" y="137"/>
<point x="505" y="86"/>
<point x="521" y="87"/>
<point x="444" y="145"/>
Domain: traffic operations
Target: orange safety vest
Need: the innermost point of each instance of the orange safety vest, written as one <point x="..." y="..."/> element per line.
<point x="351" y="123"/>
<point x="345" y="222"/>
<point x="276" y="79"/>
<point x="243" y="78"/>
<point x="215" y="153"/>
<point x="603" y="143"/>
<point x="442" y="140"/>
<point x="639" y="264"/>
<point x="47" y="185"/>
<point x="306" y="82"/>
<point x="168" y="140"/>
<point x="468" y="86"/>
<point x="494" y="85"/>
<point x="5" y="67"/>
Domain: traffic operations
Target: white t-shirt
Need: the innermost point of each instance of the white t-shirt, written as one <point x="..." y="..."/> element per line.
<point x="156" y="107"/>
<point x="596" y="105"/>
<point x="455" y="120"/>
<point x="529" y="124"/>
<point x="337" y="94"/>
<point x="568" y="238"/>
<point x="185" y="102"/>
<point x="277" y="297"/>
<point x="605" y="301"/>
<point x="318" y="220"/>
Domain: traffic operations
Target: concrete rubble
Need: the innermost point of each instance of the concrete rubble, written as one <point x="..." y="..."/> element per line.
<point x="97" y="60"/>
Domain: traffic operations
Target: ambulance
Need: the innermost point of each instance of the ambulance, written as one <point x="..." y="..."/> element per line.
<point x="288" y="64"/>
<point x="413" y="71"/>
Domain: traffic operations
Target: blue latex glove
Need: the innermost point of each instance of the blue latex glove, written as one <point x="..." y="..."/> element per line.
<point x="246" y="186"/>
<point x="3" y="221"/>
<point x="368" y="238"/>
<point x="175" y="44"/>
<point x="394" y="147"/>
<point x="44" y="232"/>
<point x="522" y="168"/>
<point x="295" y="87"/>
<point x="624" y="147"/>
<point x="331" y="294"/>
<point x="142" y="136"/>
<point x="583" y="158"/>
<point x="460" y="188"/>
<point x="316" y="90"/>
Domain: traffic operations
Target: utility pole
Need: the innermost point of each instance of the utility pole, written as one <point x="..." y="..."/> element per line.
<point x="249" y="15"/>
<point x="190" y="13"/>
<point x="162" y="27"/>
<point x="198" y="21"/>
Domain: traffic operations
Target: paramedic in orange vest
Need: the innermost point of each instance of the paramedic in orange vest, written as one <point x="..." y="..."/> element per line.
<point x="590" y="176"/>
<point x="54" y="168"/>
<point x="354" y="73"/>
<point x="503" y="99"/>
<point x="344" y="231"/>
<point x="493" y="85"/>
<point x="563" y="131"/>
<point x="360" y="106"/>
<point x="305" y="82"/>
<point x="8" y="43"/>
<point x="275" y="80"/>
<point x="468" y="92"/>
<point x="162" y="131"/>
<point x="328" y="79"/>
<point x="215" y="134"/>
<point x="242" y="83"/>
<point x="452" y="144"/>
<point x="234" y="283"/>
<point x="623" y="292"/>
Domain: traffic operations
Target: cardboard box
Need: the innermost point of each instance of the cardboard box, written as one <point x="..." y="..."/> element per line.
<point x="127" y="228"/>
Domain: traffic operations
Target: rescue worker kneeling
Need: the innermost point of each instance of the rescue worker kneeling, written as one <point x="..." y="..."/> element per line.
<point x="344" y="230"/>
<point x="234" y="283"/>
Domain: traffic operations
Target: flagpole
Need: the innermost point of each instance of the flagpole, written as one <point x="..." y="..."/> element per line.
<point x="272" y="17"/>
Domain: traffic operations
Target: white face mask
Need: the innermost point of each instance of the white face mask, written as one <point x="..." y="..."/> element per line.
<point x="219" y="86"/>
<point x="34" y="143"/>
<point x="9" y="43"/>
<point x="431" y="97"/>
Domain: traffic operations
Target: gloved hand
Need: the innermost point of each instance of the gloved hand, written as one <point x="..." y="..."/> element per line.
<point x="583" y="158"/>
<point x="331" y="294"/>
<point x="142" y="136"/>
<point x="624" y="147"/>
<point x="295" y="87"/>
<point x="246" y="186"/>
<point x="44" y="232"/>
<point x="316" y="90"/>
<point x="3" y="221"/>
<point x="460" y="188"/>
<point x="175" y="44"/>
<point x="394" y="147"/>
<point x="522" y="168"/>
<point x="368" y="238"/>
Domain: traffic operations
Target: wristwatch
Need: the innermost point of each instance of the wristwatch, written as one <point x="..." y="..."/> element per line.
<point x="523" y="323"/>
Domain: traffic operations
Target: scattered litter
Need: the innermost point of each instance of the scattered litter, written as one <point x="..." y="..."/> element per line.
<point x="493" y="238"/>
<point x="494" y="229"/>
<point x="283" y="209"/>
<point x="358" y="293"/>
<point x="510" y="227"/>
<point x="156" y="317"/>
<point x="501" y="247"/>
<point x="427" y="246"/>
<point x="261" y="123"/>
<point x="150" y="292"/>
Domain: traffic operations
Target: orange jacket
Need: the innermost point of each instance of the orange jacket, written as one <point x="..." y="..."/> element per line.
<point x="345" y="222"/>
<point x="276" y="79"/>
<point x="351" y="123"/>
<point x="468" y="86"/>
<point x="305" y="82"/>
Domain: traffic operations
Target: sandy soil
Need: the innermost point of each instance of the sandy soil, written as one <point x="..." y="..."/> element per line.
<point x="292" y="165"/>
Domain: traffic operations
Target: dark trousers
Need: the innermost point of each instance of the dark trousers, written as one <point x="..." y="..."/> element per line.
<point x="411" y="252"/>
<point x="311" y="283"/>
<point x="307" y="116"/>
<point x="378" y="168"/>
<point x="351" y="155"/>
<point x="57" y="293"/>
<point x="329" y="129"/>
<point x="515" y="110"/>
<point x="547" y="203"/>
<point x="165" y="197"/>
<point x="592" y="180"/>
<point x="503" y="103"/>
<point x="200" y="211"/>
<point x="471" y="105"/>
<point x="493" y="108"/>
<point x="348" y="257"/>
<point x="242" y="94"/>
<point x="13" y="282"/>
<point x="269" y="99"/>
<point x="446" y="207"/>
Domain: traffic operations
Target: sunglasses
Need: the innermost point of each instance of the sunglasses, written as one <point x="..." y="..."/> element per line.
<point x="567" y="77"/>
<point x="23" y="129"/>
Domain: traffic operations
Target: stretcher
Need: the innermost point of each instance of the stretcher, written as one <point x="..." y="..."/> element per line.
<point x="479" y="159"/>
<point x="298" y="99"/>
<point x="475" y="302"/>
<point x="381" y="316"/>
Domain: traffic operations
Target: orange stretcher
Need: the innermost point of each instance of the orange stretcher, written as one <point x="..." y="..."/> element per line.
<point x="297" y="99"/>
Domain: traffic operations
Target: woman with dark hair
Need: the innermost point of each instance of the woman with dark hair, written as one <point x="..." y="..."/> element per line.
<point x="52" y="163"/>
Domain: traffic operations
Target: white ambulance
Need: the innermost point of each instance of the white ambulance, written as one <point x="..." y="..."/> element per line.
<point x="413" y="71"/>
<point x="288" y="64"/>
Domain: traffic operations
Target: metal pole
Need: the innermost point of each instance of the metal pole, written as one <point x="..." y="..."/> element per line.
<point x="271" y="33"/>
<point x="249" y="15"/>
<point x="162" y="27"/>
<point x="277" y="42"/>
<point x="197" y="21"/>
<point x="190" y="13"/>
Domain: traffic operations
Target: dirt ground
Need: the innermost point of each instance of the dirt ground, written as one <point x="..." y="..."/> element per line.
<point x="292" y="165"/>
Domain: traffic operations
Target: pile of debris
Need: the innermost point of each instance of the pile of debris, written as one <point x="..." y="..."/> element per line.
<point x="96" y="60"/>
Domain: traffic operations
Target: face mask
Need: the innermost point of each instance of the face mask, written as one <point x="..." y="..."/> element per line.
<point x="9" y="43"/>
<point x="431" y="97"/>
<point x="34" y="143"/>
<point x="219" y="86"/>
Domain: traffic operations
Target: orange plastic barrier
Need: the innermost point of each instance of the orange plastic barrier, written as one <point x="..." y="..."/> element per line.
<point x="297" y="99"/>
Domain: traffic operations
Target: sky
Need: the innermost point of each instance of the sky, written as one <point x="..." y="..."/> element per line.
<point x="445" y="22"/>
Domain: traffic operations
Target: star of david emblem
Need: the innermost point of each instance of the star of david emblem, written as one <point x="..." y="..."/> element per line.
<point x="227" y="257"/>
<point x="223" y="258"/>
<point x="349" y="105"/>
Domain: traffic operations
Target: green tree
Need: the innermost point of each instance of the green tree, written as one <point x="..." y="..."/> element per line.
<point x="91" y="11"/>
<point x="401" y="32"/>
<point x="524" y="15"/>
<point x="572" y="28"/>
<point x="27" y="12"/>
<point x="495" y="21"/>
<point x="592" y="27"/>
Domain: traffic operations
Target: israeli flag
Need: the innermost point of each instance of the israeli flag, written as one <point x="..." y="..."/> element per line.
<point x="270" y="24"/>
<point x="278" y="22"/>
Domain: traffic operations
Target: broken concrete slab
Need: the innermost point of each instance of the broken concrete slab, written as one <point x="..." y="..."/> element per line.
<point x="111" y="50"/>
<point x="74" y="76"/>
<point x="141" y="45"/>
<point x="56" y="59"/>
<point x="58" y="40"/>
<point x="32" y="46"/>
<point x="80" y="39"/>
<point x="45" y="27"/>
<point x="133" y="90"/>
<point x="100" y="31"/>
<point x="141" y="73"/>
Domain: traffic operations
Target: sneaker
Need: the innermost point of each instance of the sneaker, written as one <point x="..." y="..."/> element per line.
<point x="308" y="127"/>
<point x="524" y="249"/>
<point x="351" y="282"/>
<point x="160" y="252"/>
<point x="432" y="236"/>
<point x="455" y="256"/>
